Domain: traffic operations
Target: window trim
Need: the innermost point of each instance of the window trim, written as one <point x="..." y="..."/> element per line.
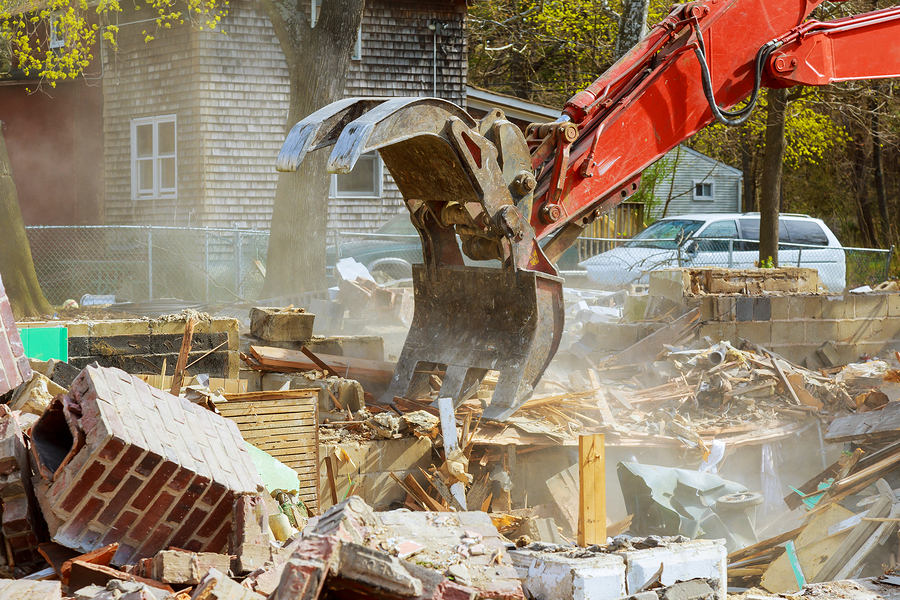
<point x="378" y="180"/>
<point x="712" y="190"/>
<point x="157" y="191"/>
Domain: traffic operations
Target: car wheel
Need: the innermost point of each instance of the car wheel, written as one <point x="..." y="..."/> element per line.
<point x="739" y="500"/>
<point x="391" y="268"/>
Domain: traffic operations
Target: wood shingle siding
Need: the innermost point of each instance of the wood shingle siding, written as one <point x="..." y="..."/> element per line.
<point x="230" y="96"/>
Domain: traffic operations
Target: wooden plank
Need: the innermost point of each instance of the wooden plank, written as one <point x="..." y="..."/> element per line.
<point x="350" y="368"/>
<point x="267" y="410"/>
<point x="814" y="545"/>
<point x="851" y="567"/>
<point x="648" y="348"/>
<point x="875" y="425"/>
<point x="853" y="542"/>
<point x="605" y="412"/>
<point x="592" y="489"/>
<point x="764" y="545"/>
<point x="183" y="353"/>
<point x="332" y="482"/>
<point x="280" y="418"/>
<point x="420" y="494"/>
<point x="272" y="395"/>
<point x="319" y="362"/>
<point x="784" y="381"/>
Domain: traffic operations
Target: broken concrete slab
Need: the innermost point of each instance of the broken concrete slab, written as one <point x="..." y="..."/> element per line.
<point x="697" y="559"/>
<point x="122" y="461"/>
<point x="186" y="568"/>
<point x="281" y="324"/>
<point x="218" y="586"/>
<point x="35" y="396"/>
<point x="555" y="576"/>
<point x="23" y="589"/>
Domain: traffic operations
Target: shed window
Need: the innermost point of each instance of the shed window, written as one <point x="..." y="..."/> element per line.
<point x="364" y="181"/>
<point x="704" y="191"/>
<point x="154" y="172"/>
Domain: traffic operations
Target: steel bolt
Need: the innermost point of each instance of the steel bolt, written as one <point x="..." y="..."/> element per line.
<point x="524" y="183"/>
<point x="551" y="213"/>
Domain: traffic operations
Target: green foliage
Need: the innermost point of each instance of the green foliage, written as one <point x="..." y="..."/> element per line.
<point x="768" y="263"/>
<point x="26" y="26"/>
<point x="648" y="193"/>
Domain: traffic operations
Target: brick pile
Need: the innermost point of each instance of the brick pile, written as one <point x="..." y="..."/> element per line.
<point x="120" y="461"/>
<point x="14" y="366"/>
<point x="20" y="523"/>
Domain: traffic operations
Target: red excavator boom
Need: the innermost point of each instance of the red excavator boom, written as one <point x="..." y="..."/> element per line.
<point x="522" y="200"/>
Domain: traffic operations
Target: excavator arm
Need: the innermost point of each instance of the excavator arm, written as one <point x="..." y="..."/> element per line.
<point x="484" y="190"/>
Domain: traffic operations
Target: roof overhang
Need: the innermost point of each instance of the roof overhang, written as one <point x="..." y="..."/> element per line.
<point x="512" y="107"/>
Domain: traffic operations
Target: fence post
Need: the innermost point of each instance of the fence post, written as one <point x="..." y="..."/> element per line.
<point x="337" y="245"/>
<point x="799" y="255"/>
<point x="206" y="261"/>
<point x="150" y="261"/>
<point x="237" y="263"/>
<point x="731" y="253"/>
<point x="887" y="265"/>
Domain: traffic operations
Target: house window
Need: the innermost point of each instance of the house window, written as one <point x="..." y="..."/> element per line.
<point x="364" y="181"/>
<point x="316" y="10"/>
<point x="154" y="172"/>
<point x="704" y="191"/>
<point x="57" y="37"/>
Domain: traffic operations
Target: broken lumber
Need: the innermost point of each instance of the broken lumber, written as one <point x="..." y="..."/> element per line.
<point x="362" y="370"/>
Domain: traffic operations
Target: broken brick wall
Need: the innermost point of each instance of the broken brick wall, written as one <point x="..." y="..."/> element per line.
<point x="118" y="460"/>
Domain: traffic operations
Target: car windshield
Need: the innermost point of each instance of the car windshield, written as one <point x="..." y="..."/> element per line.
<point x="665" y="234"/>
<point x="398" y="225"/>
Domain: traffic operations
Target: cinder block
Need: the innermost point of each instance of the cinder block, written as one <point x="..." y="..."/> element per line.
<point x="781" y="307"/>
<point x="758" y="332"/>
<point x="720" y="331"/>
<point x="404" y="454"/>
<point x="217" y="586"/>
<point x="819" y="331"/>
<point x="870" y="306"/>
<point x="171" y="566"/>
<point x="806" y="307"/>
<point x="708" y="308"/>
<point x="555" y="577"/>
<point x="837" y="307"/>
<point x="893" y="299"/>
<point x="121" y="327"/>
<point x="785" y="332"/>
<point x="698" y="559"/>
<point x="281" y="324"/>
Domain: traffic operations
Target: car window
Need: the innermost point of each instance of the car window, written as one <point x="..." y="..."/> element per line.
<point x="805" y="232"/>
<point x="720" y="229"/>
<point x="750" y="231"/>
<point x="665" y="234"/>
<point x="398" y="225"/>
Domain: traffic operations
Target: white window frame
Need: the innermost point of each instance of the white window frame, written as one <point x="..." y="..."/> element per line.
<point x="157" y="190"/>
<point x="378" y="181"/>
<point x="315" y="7"/>
<point x="702" y="197"/>
<point x="57" y="39"/>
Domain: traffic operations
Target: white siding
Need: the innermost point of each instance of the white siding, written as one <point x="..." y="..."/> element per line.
<point x="692" y="167"/>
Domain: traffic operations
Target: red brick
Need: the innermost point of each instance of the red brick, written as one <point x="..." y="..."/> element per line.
<point x="193" y="546"/>
<point x="154" y="485"/>
<point x="120" y="500"/>
<point x="123" y="554"/>
<point x="119" y="528"/>
<point x="190" y="526"/>
<point x="188" y="499"/>
<point x="146" y="466"/>
<point x="155" y="543"/>
<point x="181" y="479"/>
<point x="82" y="487"/>
<point x="219" y="543"/>
<point x="153" y="516"/>
<point x="15" y="516"/>
<point x="75" y="526"/>
<point x="215" y="492"/>
<point x="221" y="514"/>
<point x="120" y="469"/>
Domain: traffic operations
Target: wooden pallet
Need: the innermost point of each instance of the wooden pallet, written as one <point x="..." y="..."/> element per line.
<point x="284" y="424"/>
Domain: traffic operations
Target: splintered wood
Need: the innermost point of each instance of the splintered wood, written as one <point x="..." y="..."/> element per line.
<point x="284" y="424"/>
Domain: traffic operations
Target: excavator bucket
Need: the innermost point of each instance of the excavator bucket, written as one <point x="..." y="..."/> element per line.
<point x="467" y="320"/>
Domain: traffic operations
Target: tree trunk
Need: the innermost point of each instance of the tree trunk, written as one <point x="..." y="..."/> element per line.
<point x="16" y="265"/>
<point x="861" y="181"/>
<point x="770" y="188"/>
<point x="887" y="236"/>
<point x="318" y="61"/>
<point x="632" y="25"/>
<point x="748" y="189"/>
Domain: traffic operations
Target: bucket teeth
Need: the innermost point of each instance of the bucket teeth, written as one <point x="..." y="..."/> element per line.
<point x="474" y="319"/>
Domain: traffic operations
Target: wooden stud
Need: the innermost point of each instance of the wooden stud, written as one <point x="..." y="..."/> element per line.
<point x="183" y="353"/>
<point x="592" y="489"/>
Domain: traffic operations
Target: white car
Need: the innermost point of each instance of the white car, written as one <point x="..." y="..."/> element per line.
<point x="719" y="240"/>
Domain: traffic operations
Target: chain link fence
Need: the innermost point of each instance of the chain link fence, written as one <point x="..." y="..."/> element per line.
<point x="391" y="254"/>
<point x="137" y="263"/>
<point x="616" y="262"/>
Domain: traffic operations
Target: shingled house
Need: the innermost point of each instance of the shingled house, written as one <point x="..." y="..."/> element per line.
<point x="193" y="121"/>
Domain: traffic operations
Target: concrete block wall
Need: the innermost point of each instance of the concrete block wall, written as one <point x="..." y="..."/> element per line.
<point x="118" y="460"/>
<point x="368" y="464"/>
<point x="141" y="346"/>
<point x="795" y="326"/>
